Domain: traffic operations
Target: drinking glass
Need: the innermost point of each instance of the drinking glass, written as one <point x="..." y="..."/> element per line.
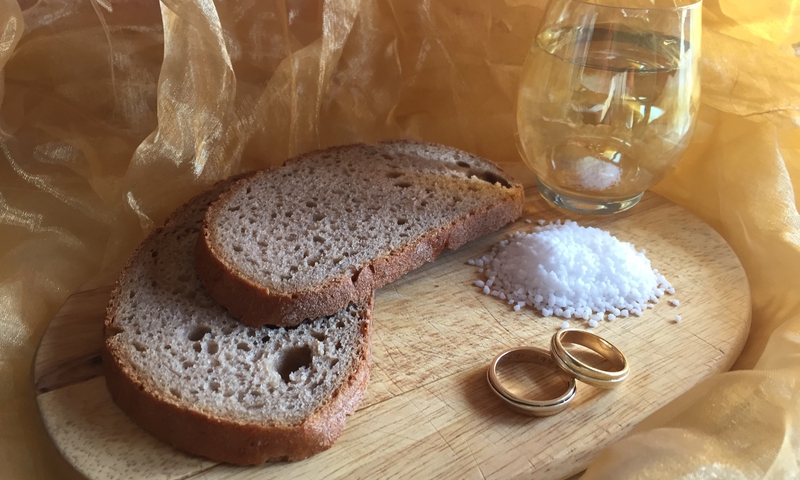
<point x="608" y="99"/>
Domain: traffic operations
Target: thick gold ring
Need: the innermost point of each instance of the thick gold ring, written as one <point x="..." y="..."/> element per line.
<point x="527" y="406"/>
<point x="587" y="373"/>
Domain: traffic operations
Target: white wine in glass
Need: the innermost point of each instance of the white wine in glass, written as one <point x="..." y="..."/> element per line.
<point x="608" y="99"/>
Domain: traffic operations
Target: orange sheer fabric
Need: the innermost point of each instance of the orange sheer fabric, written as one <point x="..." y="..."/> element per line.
<point x="115" y="112"/>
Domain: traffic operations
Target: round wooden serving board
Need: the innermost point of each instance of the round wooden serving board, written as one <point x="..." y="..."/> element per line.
<point x="428" y="411"/>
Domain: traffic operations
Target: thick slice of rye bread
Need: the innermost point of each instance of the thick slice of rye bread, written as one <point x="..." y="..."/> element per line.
<point x="191" y="375"/>
<point x="331" y="226"/>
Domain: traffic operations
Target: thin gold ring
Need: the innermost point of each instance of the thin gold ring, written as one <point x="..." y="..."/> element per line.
<point x="586" y="373"/>
<point x="527" y="406"/>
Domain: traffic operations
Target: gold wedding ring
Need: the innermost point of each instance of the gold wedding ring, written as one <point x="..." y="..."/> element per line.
<point x="527" y="406"/>
<point x="586" y="373"/>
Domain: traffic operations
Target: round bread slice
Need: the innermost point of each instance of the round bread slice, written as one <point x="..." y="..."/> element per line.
<point x="187" y="372"/>
<point x="331" y="226"/>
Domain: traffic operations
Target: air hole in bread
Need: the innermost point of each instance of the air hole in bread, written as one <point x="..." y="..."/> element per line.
<point x="293" y="359"/>
<point x="313" y="261"/>
<point x="243" y="346"/>
<point x="199" y="332"/>
<point x="133" y="294"/>
<point x="311" y="204"/>
<point x="175" y="392"/>
<point x="154" y="254"/>
<point x="463" y="164"/>
<point x="235" y="209"/>
<point x="265" y="338"/>
<point x="348" y="210"/>
<point x="490" y="177"/>
<point x="318" y="217"/>
<point x="293" y="268"/>
<point x="188" y="364"/>
<point x="273" y="215"/>
<point x="402" y="221"/>
<point x="402" y="184"/>
<point x="394" y="174"/>
<point x="213" y="347"/>
<point x="319" y="239"/>
<point x="139" y="347"/>
<point x="318" y="335"/>
<point x="214" y="386"/>
<point x="248" y="190"/>
<point x="227" y="330"/>
<point x="197" y="347"/>
<point x="288" y="214"/>
<point x="386" y="156"/>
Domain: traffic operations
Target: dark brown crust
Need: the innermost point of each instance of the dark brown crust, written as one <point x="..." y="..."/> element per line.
<point x="256" y="306"/>
<point x="239" y="443"/>
<point x="200" y="433"/>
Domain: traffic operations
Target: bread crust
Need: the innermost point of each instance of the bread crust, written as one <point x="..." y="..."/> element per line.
<point x="256" y="306"/>
<point x="200" y="432"/>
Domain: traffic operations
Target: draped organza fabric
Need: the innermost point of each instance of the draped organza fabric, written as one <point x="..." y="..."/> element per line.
<point x="115" y="112"/>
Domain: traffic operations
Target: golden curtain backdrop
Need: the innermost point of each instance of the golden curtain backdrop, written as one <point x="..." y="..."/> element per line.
<point x="115" y="112"/>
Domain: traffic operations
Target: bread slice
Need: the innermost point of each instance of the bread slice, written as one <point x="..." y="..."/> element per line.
<point x="331" y="226"/>
<point x="191" y="375"/>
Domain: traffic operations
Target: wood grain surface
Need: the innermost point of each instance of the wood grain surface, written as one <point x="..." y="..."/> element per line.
<point x="428" y="412"/>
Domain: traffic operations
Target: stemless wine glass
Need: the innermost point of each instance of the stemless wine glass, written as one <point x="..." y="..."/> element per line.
<point x="608" y="99"/>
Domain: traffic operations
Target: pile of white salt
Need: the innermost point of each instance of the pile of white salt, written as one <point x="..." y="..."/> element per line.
<point x="572" y="271"/>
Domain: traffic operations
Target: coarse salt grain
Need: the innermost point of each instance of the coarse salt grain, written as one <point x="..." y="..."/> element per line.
<point x="674" y="302"/>
<point x="564" y="325"/>
<point x="568" y="270"/>
<point x="593" y="323"/>
<point x="677" y="319"/>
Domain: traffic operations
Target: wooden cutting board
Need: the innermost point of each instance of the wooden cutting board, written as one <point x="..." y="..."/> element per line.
<point x="428" y="411"/>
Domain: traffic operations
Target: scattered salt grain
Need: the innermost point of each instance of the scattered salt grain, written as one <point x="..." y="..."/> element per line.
<point x="564" y="325"/>
<point x="593" y="323"/>
<point x="611" y="317"/>
<point x="573" y="271"/>
<point x="479" y="283"/>
<point x="486" y="289"/>
<point x="517" y="307"/>
<point x="527" y="220"/>
<point x="674" y="302"/>
<point x="677" y="319"/>
<point x="540" y="222"/>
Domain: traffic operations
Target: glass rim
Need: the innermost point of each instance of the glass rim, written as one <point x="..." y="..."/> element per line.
<point x="690" y="4"/>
